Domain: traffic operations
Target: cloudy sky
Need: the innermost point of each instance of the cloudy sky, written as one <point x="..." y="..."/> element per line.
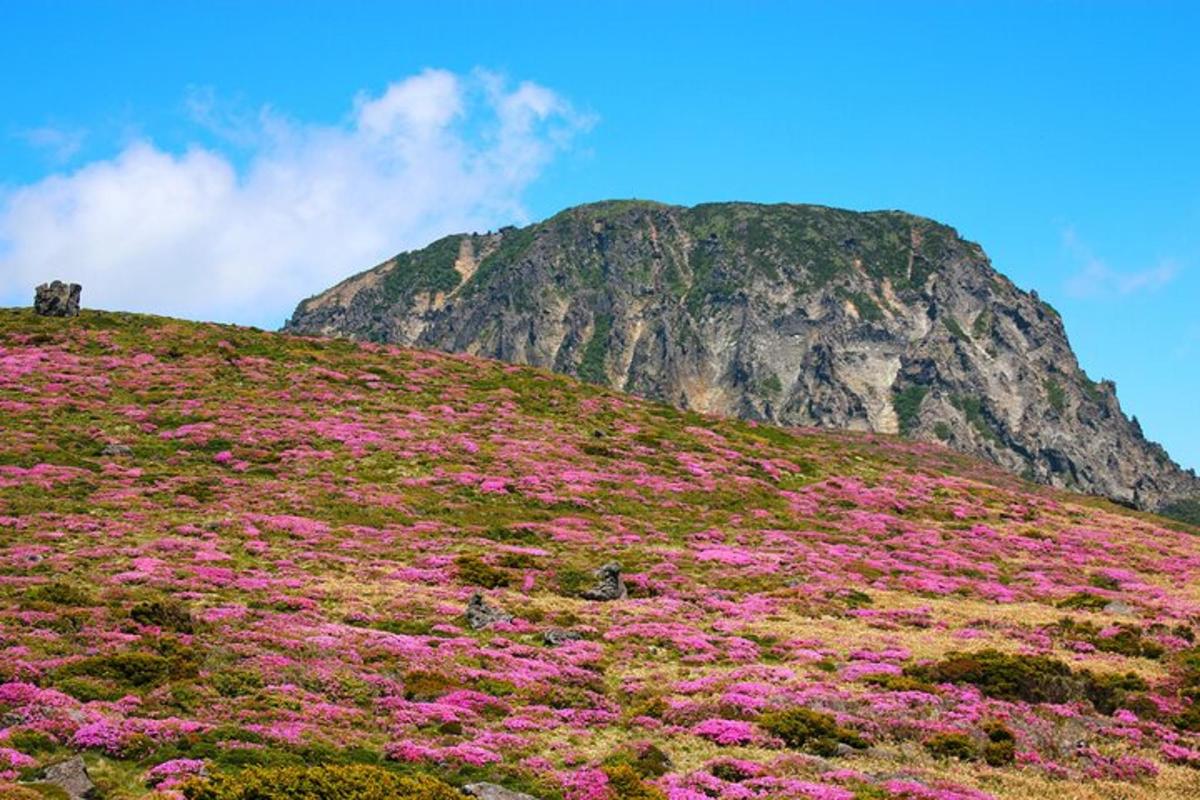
<point x="223" y="160"/>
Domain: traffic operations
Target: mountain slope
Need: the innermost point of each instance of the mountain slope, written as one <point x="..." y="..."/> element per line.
<point x="222" y="548"/>
<point x="798" y="315"/>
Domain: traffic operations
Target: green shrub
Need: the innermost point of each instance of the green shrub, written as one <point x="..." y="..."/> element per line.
<point x="88" y="690"/>
<point x="899" y="683"/>
<point x="646" y="759"/>
<point x="352" y="782"/>
<point x="472" y="571"/>
<point x="1032" y="679"/>
<point x="952" y="745"/>
<point x="591" y="365"/>
<point x="131" y="669"/>
<point x="424" y="686"/>
<point x="236" y="682"/>
<point x="812" y="731"/>
<point x="907" y="404"/>
<point x="624" y="783"/>
<point x="1084" y="601"/>
<point x="166" y="614"/>
<point x="60" y="593"/>
<point x="1001" y="747"/>
<point x="1055" y="394"/>
<point x="1109" y="691"/>
<point x="29" y="741"/>
<point x="517" y="561"/>
<point x="573" y="581"/>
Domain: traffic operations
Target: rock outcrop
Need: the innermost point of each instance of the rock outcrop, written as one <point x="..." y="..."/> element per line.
<point x="57" y="299"/>
<point x="481" y="614"/>
<point x="71" y="776"/>
<point x="790" y="314"/>
<point x="609" y="584"/>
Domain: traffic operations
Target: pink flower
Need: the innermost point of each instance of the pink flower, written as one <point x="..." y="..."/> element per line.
<point x="726" y="731"/>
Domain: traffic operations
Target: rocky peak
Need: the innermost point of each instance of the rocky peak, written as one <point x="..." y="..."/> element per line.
<point x="788" y="314"/>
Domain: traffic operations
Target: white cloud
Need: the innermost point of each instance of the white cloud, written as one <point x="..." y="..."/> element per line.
<point x="191" y="234"/>
<point x="59" y="144"/>
<point x="1095" y="278"/>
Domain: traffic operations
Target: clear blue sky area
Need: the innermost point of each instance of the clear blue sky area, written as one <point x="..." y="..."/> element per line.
<point x="1064" y="137"/>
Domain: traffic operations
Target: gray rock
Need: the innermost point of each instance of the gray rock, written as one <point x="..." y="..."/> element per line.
<point x="57" y="299"/>
<point x="556" y="636"/>
<point x="116" y="450"/>
<point x="610" y="585"/>
<point x="795" y="315"/>
<point x="481" y="614"/>
<point x="72" y="777"/>
<point x="492" y="791"/>
<point x="1119" y="607"/>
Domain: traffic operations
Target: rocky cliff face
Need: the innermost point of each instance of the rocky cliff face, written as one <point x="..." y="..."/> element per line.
<point x="790" y="314"/>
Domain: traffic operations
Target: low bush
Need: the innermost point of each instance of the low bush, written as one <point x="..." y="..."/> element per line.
<point x="163" y="614"/>
<point x="1033" y="679"/>
<point x="952" y="745"/>
<point x="1001" y="747"/>
<point x="1030" y="679"/>
<point x="134" y="669"/>
<point x="59" y="593"/>
<point x="472" y="571"/>
<point x="424" y="686"/>
<point x="625" y="783"/>
<point x="812" y="731"/>
<point x="646" y="759"/>
<point x="354" y="782"/>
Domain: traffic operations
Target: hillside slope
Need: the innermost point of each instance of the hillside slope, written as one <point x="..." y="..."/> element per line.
<point x="221" y="548"/>
<point x="799" y="315"/>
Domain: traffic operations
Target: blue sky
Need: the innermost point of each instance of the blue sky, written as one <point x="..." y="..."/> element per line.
<point x="161" y="149"/>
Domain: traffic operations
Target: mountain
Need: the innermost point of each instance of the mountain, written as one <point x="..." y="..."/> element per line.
<point x="236" y="564"/>
<point x="790" y="314"/>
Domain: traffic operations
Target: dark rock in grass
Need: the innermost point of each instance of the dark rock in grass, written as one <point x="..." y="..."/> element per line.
<point x="481" y="614"/>
<point x="556" y="636"/>
<point x="116" y="450"/>
<point x="492" y="791"/>
<point x="609" y="586"/>
<point x="72" y="777"/>
<point x="57" y="299"/>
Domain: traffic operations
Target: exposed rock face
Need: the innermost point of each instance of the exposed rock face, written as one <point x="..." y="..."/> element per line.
<point x="609" y="584"/>
<point x="557" y="636"/>
<point x="492" y="791"/>
<point x="481" y="614"/>
<point x="72" y="777"/>
<point x="57" y="299"/>
<point x="796" y="315"/>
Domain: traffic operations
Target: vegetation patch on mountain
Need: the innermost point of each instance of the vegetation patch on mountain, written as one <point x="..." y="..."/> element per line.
<point x="237" y="564"/>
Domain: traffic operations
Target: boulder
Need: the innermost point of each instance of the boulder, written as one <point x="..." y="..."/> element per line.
<point x="492" y="791"/>
<point x="72" y="777"/>
<point x="57" y="299"/>
<point x="609" y="584"/>
<point x="556" y="636"/>
<point x="116" y="450"/>
<point x="481" y="614"/>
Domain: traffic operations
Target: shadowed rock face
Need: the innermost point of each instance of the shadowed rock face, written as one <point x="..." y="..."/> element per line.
<point x="790" y="314"/>
<point x="57" y="299"/>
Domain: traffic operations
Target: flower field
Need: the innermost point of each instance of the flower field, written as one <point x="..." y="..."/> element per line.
<point x="222" y="549"/>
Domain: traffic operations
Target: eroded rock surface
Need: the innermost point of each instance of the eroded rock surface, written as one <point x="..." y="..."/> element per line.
<point x="791" y="314"/>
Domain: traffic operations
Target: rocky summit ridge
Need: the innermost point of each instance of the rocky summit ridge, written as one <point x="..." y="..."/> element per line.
<point x="798" y="315"/>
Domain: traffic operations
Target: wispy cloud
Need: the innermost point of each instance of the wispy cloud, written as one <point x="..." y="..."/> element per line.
<point x="60" y="145"/>
<point x="1095" y="278"/>
<point x="203" y="235"/>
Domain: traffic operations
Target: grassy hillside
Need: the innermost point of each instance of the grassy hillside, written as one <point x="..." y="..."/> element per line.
<point x="275" y="573"/>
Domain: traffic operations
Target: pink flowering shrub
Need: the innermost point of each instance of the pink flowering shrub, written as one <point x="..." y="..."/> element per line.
<point x="280" y="570"/>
